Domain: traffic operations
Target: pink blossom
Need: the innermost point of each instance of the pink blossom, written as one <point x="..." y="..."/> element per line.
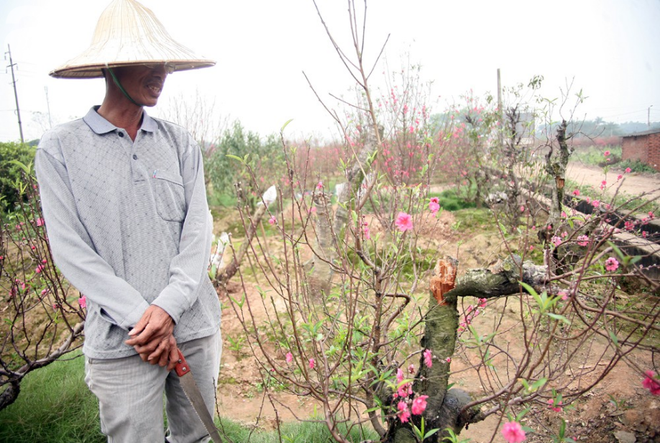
<point x="39" y="269"/>
<point x="651" y="215"/>
<point x="399" y="376"/>
<point x="595" y="203"/>
<point x="448" y="359"/>
<point x="428" y="358"/>
<point x="82" y="301"/>
<point x="434" y="205"/>
<point x="419" y="405"/>
<point x="555" y="406"/>
<point x="289" y="357"/>
<point x="411" y="369"/>
<point x="404" y="413"/>
<point x="582" y="240"/>
<point x="576" y="192"/>
<point x="556" y="240"/>
<point x="404" y="390"/>
<point x="651" y="383"/>
<point x="606" y="153"/>
<point x="404" y="222"/>
<point x="482" y="302"/>
<point x="319" y="185"/>
<point x="619" y="177"/>
<point x="628" y="170"/>
<point x="611" y="264"/>
<point x="522" y="208"/>
<point x="563" y="295"/>
<point x="513" y="432"/>
<point x="531" y="248"/>
<point x="272" y="220"/>
<point x="365" y="231"/>
<point x="312" y="363"/>
<point x="40" y="222"/>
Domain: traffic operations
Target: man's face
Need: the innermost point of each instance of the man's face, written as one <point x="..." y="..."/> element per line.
<point x="143" y="83"/>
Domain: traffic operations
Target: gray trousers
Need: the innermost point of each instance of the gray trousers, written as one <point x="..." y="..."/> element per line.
<point x="130" y="394"/>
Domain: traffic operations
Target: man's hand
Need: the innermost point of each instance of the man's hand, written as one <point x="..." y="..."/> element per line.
<point x="152" y="337"/>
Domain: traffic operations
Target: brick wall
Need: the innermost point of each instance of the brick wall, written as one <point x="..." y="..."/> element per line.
<point x="653" y="143"/>
<point x="634" y="148"/>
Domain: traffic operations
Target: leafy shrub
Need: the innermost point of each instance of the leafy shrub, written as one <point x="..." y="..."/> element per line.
<point x="636" y="166"/>
<point x="452" y="200"/>
<point x="10" y="172"/>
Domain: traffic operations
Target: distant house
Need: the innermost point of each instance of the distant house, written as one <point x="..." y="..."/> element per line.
<point x="643" y="146"/>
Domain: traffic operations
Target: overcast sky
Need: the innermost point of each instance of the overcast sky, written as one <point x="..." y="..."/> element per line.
<point x="609" y="48"/>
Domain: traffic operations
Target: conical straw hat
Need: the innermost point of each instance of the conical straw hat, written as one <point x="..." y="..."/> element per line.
<point x="128" y="33"/>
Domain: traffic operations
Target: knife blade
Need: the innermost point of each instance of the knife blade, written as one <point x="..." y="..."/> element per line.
<point x="191" y="390"/>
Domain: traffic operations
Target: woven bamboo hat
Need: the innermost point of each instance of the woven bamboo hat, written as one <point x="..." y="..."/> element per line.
<point x="126" y="34"/>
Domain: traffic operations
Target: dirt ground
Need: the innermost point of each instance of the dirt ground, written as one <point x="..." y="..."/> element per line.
<point x="631" y="183"/>
<point x="619" y="410"/>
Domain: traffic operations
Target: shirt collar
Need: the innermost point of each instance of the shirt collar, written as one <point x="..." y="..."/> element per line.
<point x="100" y="125"/>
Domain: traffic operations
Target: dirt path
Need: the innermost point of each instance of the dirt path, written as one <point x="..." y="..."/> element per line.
<point x="631" y="183"/>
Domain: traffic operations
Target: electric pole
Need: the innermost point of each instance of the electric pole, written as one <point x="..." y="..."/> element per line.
<point x="50" y="122"/>
<point x="13" y="80"/>
<point x="648" y="118"/>
<point x="499" y="108"/>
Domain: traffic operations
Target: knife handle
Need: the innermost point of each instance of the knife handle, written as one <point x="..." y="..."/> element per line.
<point x="181" y="367"/>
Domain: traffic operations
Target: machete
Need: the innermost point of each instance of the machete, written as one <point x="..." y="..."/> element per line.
<point x="195" y="397"/>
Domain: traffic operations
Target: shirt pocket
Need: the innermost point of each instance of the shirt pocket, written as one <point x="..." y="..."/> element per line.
<point x="169" y="195"/>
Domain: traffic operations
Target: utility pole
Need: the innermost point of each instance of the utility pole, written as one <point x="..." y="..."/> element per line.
<point x="50" y="122"/>
<point x="13" y="80"/>
<point x="648" y="118"/>
<point x="499" y="108"/>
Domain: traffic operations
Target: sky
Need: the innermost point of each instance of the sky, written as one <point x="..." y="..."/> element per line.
<point x="609" y="49"/>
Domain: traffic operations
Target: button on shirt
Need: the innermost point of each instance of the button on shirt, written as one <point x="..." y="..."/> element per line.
<point x="129" y="226"/>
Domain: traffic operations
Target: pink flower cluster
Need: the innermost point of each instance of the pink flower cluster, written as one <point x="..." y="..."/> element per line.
<point x="471" y="313"/>
<point x="417" y="408"/>
<point x="555" y="405"/>
<point x="434" y="205"/>
<point x="652" y="383"/>
<point x="404" y="389"/>
<point x="404" y="222"/>
<point x="513" y="432"/>
<point x="428" y="358"/>
<point x="611" y="264"/>
<point x="583" y="240"/>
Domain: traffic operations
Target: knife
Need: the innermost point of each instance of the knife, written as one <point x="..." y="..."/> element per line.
<point x="195" y="397"/>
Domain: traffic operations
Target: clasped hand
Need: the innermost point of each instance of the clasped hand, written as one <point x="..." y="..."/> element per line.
<point x="153" y="339"/>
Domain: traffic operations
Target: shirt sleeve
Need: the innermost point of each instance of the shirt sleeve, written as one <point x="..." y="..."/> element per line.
<point x="73" y="250"/>
<point x="189" y="267"/>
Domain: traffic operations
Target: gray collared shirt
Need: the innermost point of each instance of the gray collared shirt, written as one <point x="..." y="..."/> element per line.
<point x="129" y="226"/>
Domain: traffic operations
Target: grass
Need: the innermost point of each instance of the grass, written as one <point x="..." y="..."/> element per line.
<point x="450" y="200"/>
<point x="303" y="432"/>
<point x="595" y="156"/>
<point x="55" y="406"/>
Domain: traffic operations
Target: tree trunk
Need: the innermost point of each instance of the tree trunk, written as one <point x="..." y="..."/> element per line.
<point x="330" y="231"/>
<point x="445" y="407"/>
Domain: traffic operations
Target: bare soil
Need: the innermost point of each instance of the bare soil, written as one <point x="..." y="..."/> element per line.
<point x="618" y="410"/>
<point x="631" y="183"/>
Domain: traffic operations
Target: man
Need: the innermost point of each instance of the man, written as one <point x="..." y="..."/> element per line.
<point x="125" y="207"/>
